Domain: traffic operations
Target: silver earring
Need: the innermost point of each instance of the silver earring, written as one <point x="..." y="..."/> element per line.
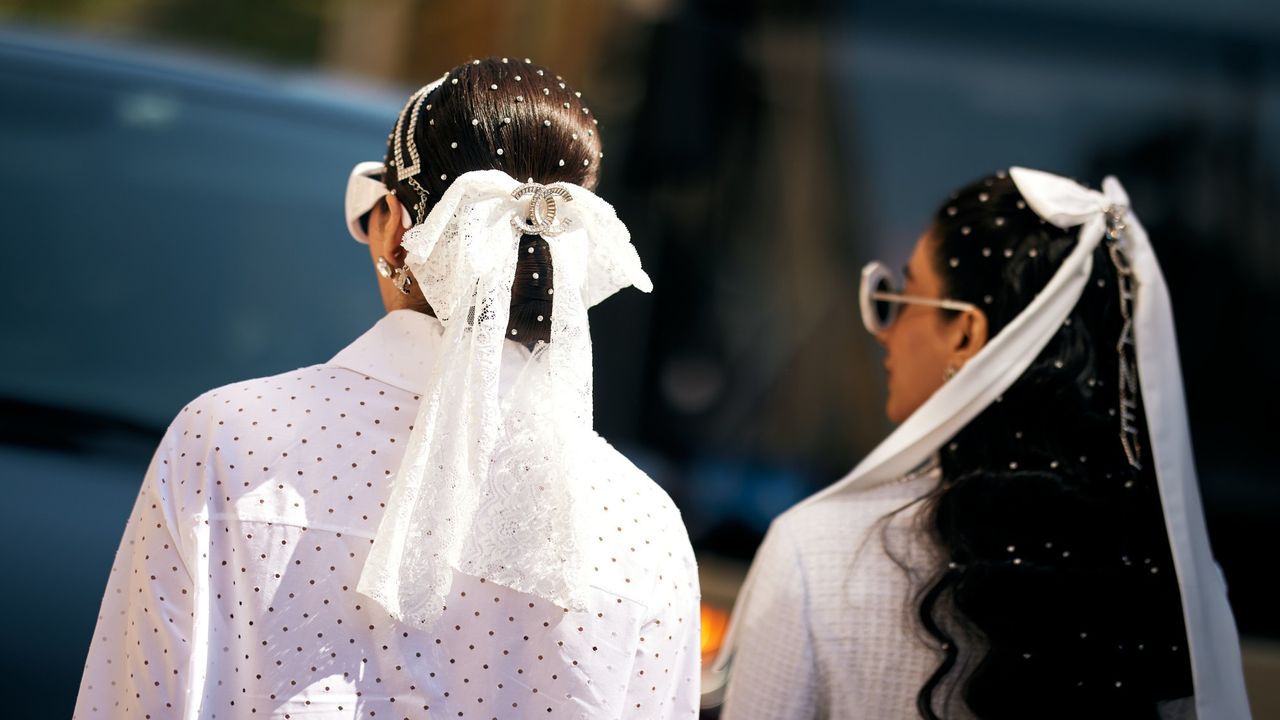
<point x="384" y="267"/>
<point x="399" y="277"/>
<point x="950" y="372"/>
<point x="402" y="280"/>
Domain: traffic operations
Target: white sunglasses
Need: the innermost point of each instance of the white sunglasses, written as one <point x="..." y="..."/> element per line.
<point x="881" y="301"/>
<point x="364" y="190"/>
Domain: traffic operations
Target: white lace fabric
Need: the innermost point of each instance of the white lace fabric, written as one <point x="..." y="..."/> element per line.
<point x="490" y="479"/>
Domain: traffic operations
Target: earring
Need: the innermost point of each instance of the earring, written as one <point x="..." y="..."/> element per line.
<point x="384" y="268"/>
<point x="949" y="373"/>
<point x="402" y="280"/>
<point x="399" y="277"/>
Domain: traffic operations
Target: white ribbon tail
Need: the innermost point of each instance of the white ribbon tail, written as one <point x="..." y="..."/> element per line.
<point x="1214" y="644"/>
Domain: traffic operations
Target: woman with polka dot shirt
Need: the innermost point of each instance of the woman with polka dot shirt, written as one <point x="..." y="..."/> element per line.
<point x="280" y="561"/>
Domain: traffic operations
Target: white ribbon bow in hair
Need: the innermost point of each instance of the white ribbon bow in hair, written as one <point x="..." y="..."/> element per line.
<point x="1211" y="633"/>
<point x="488" y="482"/>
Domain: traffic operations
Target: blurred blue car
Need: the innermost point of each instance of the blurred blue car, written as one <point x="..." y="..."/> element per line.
<point x="169" y="225"/>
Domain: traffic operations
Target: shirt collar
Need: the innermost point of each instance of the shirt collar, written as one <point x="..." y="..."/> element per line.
<point x="400" y="350"/>
<point x="402" y="347"/>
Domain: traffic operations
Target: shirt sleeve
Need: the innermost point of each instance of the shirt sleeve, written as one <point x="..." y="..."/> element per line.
<point x="772" y="674"/>
<point x="666" y="678"/>
<point x="138" y="659"/>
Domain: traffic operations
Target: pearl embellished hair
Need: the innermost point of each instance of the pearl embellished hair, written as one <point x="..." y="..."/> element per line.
<point x="499" y="113"/>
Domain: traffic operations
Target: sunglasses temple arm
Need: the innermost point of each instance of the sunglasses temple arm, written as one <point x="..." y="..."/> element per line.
<point x="914" y="300"/>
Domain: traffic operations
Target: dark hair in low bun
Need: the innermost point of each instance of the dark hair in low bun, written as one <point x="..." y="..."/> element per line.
<point x="1057" y="596"/>
<point x="519" y="117"/>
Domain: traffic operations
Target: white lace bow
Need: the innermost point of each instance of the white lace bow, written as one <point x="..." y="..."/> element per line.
<point x="491" y="475"/>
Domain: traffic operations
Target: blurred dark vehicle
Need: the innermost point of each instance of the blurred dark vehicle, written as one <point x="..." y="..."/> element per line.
<point x="169" y="225"/>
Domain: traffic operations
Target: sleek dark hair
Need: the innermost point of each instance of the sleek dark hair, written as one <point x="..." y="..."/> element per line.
<point x="1056" y="596"/>
<point x="516" y="116"/>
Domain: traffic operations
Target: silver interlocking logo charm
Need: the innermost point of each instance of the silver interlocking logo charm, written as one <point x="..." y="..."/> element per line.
<point x="541" y="217"/>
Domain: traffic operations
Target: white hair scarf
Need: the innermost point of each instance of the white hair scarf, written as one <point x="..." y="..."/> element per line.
<point x="489" y="480"/>
<point x="1211" y="631"/>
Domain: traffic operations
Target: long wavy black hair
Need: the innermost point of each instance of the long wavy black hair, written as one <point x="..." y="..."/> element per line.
<point x="1056" y="595"/>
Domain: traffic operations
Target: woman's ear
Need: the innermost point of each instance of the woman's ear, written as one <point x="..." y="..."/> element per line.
<point x="387" y="226"/>
<point x="397" y="210"/>
<point x="969" y="336"/>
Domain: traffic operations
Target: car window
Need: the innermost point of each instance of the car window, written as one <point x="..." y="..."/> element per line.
<point x="161" y="239"/>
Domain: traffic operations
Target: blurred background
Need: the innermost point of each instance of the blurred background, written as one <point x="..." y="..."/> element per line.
<point x="171" y="179"/>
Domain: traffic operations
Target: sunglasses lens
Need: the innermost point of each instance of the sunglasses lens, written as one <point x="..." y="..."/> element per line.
<point x="884" y="310"/>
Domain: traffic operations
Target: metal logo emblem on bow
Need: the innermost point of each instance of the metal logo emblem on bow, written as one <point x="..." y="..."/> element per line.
<point x="541" y="217"/>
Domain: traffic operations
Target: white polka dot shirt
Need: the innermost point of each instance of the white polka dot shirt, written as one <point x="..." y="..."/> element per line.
<point x="233" y="591"/>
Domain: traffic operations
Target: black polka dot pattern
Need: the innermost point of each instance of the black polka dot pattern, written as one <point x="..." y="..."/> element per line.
<point x="233" y="591"/>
